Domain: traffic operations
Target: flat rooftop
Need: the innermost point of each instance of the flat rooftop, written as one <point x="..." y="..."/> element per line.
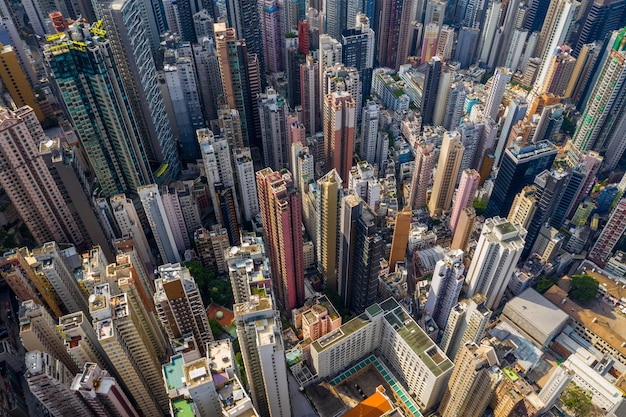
<point x="345" y="330"/>
<point x="537" y="310"/>
<point x="433" y="357"/>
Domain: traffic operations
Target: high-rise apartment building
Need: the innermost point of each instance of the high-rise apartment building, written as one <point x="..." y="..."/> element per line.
<point x="464" y="229"/>
<point x="339" y="131"/>
<point x="556" y="27"/>
<point x="273" y="29"/>
<point x="358" y="51"/>
<point x="472" y="383"/>
<point x="244" y="173"/>
<point x="244" y="17"/>
<point x="612" y="232"/>
<point x="310" y="94"/>
<point x="447" y="173"/>
<point x="549" y="186"/>
<point x="38" y="332"/>
<point x="134" y="28"/>
<point x="124" y="339"/>
<point x="465" y="195"/>
<point x="184" y="91"/>
<point x="281" y="212"/>
<point x="174" y="213"/>
<point x="431" y="87"/>
<point x="236" y="68"/>
<point x="521" y="162"/>
<point x="102" y="393"/>
<point x="218" y="168"/>
<point x="52" y="263"/>
<point x="497" y="252"/>
<point x="328" y="202"/>
<point x="159" y="223"/>
<point x="49" y="381"/>
<point x="598" y="19"/>
<point x="28" y="181"/>
<point x="16" y="81"/>
<point x="494" y="97"/>
<point x="179" y="306"/>
<point x="466" y="324"/>
<point x="369" y="131"/>
<point x="81" y="341"/>
<point x="600" y="119"/>
<point x="129" y="225"/>
<point x="392" y="28"/>
<point x="445" y="287"/>
<point x="524" y="206"/>
<point x="360" y="253"/>
<point x="422" y="173"/>
<point x="263" y="355"/>
<point x="273" y="112"/>
<point x="113" y="142"/>
<point x="400" y="237"/>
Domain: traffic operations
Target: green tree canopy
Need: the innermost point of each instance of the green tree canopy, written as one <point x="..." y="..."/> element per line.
<point x="577" y="401"/>
<point x="545" y="282"/>
<point x="584" y="288"/>
<point x="212" y="289"/>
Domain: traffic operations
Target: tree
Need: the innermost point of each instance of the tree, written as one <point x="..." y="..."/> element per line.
<point x="577" y="401"/>
<point x="545" y="282"/>
<point x="584" y="288"/>
<point x="212" y="289"/>
<point x="480" y="206"/>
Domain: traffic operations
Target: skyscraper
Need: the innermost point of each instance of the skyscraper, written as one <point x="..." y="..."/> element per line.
<point x="549" y="187"/>
<point x="422" y="172"/>
<point x="101" y="392"/>
<point x="464" y="229"/>
<point x="236" y="66"/>
<point x="466" y="324"/>
<point x="273" y="29"/>
<point x="472" y="382"/>
<point x="310" y="94"/>
<point x="431" y="87"/>
<point x="494" y="98"/>
<point x="369" y="138"/>
<point x="612" y="232"/>
<point x="179" y="306"/>
<point x="244" y="18"/>
<point x="328" y="201"/>
<point x="447" y="173"/>
<point x="49" y="381"/>
<point x="445" y="287"/>
<point x="273" y="111"/>
<point x="184" y="91"/>
<point x="16" y="81"/>
<point x="400" y="237"/>
<point x="281" y="212"/>
<point x="394" y="19"/>
<point x="339" y="131"/>
<point x="358" y="51"/>
<point x="594" y="131"/>
<point x="363" y="263"/>
<point x="159" y="223"/>
<point x="28" y="181"/>
<point x="598" y="19"/>
<point x="116" y="148"/>
<point x="499" y="248"/>
<point x="263" y="355"/>
<point x="524" y="206"/>
<point x="131" y="28"/>
<point x="124" y="338"/>
<point x="244" y="169"/>
<point x="38" y="332"/>
<point x="521" y="162"/>
<point x="465" y="195"/>
<point x="129" y="225"/>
